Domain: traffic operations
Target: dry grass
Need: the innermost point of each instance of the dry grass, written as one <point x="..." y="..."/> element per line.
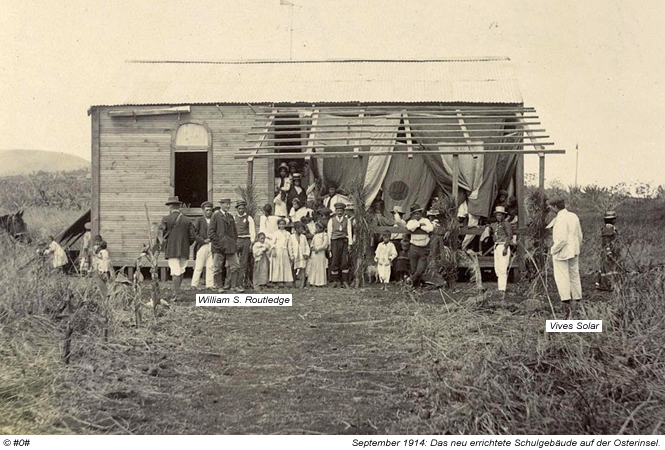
<point x="357" y="362"/>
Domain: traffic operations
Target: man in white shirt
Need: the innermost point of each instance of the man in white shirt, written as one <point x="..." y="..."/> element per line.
<point x="340" y="239"/>
<point x="333" y="198"/>
<point x="566" y="244"/>
<point x="203" y="249"/>
<point x="419" y="249"/>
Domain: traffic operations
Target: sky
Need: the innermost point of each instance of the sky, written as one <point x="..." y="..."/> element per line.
<point x="593" y="69"/>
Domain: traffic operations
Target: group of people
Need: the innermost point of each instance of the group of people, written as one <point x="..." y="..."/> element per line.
<point x="307" y="242"/>
<point x="94" y="256"/>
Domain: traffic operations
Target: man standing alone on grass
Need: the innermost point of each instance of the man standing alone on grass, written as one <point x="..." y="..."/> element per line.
<point x="340" y="235"/>
<point x="246" y="236"/>
<point x="566" y="244"/>
<point x="176" y="231"/>
<point x="419" y="249"/>
<point x="202" y="249"/>
<point x="222" y="234"/>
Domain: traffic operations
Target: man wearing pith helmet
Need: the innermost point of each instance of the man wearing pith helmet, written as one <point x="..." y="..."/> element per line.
<point x="340" y="238"/>
<point x="223" y="236"/>
<point x="175" y="228"/>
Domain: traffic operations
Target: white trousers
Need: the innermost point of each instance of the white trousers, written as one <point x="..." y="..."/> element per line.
<point x="567" y="278"/>
<point x="177" y="266"/>
<point x="501" y="265"/>
<point x="383" y="272"/>
<point x="204" y="259"/>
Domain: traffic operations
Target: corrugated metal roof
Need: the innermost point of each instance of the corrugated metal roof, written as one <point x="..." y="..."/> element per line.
<point x="464" y="80"/>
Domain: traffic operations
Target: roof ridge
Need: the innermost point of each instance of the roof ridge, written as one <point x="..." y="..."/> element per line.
<point x="249" y="61"/>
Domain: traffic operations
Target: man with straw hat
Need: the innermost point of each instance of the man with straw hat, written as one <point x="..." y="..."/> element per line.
<point x="565" y="250"/>
<point x="223" y="236"/>
<point x="177" y="232"/>
<point x="419" y="249"/>
<point x="283" y="181"/>
<point x="502" y="233"/>
<point x="340" y="237"/>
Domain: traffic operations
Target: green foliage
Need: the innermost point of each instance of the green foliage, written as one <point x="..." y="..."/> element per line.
<point x="58" y="190"/>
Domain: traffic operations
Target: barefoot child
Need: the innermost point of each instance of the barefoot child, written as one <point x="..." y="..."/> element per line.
<point x="385" y="253"/>
<point x="402" y="264"/>
<point x="261" y="262"/>
<point x="299" y="252"/>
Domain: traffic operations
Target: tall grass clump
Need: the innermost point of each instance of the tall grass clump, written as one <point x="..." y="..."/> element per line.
<point x="362" y="250"/>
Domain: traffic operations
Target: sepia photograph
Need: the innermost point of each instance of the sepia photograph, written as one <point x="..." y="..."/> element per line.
<point x="459" y="207"/>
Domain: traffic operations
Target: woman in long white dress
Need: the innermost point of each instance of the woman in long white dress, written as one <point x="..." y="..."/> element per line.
<point x="280" y="262"/>
<point x="318" y="263"/>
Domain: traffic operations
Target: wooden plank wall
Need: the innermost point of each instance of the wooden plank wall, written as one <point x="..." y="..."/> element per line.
<point x="135" y="155"/>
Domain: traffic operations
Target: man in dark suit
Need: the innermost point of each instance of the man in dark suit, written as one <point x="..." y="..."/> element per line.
<point x="223" y="236"/>
<point x="177" y="231"/>
<point x="202" y="248"/>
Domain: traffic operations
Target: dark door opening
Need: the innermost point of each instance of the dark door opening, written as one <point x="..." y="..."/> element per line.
<point x="191" y="178"/>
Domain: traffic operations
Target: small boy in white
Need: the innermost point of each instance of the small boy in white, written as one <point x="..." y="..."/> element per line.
<point x="385" y="253"/>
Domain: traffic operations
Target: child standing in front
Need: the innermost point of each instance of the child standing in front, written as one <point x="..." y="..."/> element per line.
<point x="104" y="266"/>
<point x="402" y="264"/>
<point x="299" y="252"/>
<point x="280" y="263"/>
<point x="384" y="255"/>
<point x="318" y="263"/>
<point x="261" y="262"/>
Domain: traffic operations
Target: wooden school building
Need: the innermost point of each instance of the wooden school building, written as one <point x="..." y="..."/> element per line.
<point x="407" y="129"/>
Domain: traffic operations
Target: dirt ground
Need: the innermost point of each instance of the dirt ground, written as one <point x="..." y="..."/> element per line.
<point x="337" y="361"/>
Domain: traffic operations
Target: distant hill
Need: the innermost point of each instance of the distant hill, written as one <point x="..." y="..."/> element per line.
<point x="18" y="162"/>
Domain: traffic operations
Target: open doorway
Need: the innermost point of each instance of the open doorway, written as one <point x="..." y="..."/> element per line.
<point x="191" y="178"/>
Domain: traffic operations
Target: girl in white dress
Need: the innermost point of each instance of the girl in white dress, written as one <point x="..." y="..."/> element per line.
<point x="280" y="263"/>
<point x="318" y="263"/>
<point x="299" y="252"/>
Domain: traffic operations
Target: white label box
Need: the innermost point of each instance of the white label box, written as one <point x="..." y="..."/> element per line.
<point x="574" y="326"/>
<point x="244" y="300"/>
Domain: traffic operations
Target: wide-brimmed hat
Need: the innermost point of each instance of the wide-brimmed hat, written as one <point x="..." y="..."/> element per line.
<point x="296" y="176"/>
<point x="416" y="208"/>
<point x="173" y="201"/>
<point x="325" y="211"/>
<point x="503" y="192"/>
<point x="398" y="209"/>
<point x="293" y="164"/>
<point x="433" y="212"/>
<point x="500" y="209"/>
<point x="340" y="206"/>
<point x="241" y="203"/>
<point x="225" y="200"/>
<point x="216" y="208"/>
<point x="611" y="214"/>
<point x="351" y="207"/>
<point x="87" y="226"/>
<point x="206" y="204"/>
<point x="283" y="166"/>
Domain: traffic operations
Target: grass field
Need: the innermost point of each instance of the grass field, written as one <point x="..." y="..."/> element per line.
<point x="338" y="361"/>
